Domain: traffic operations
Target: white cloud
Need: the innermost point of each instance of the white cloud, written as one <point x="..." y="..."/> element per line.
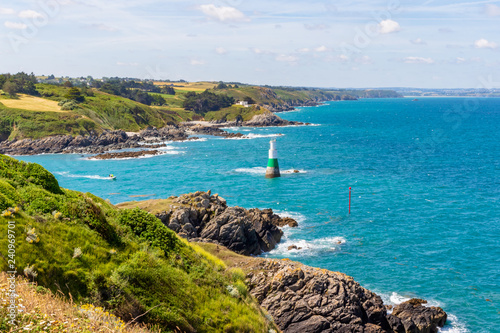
<point x="365" y="60"/>
<point x="460" y="60"/>
<point x="120" y="63"/>
<point x="29" y="14"/>
<point x="303" y="50"/>
<point x="388" y="26"/>
<point x="261" y="51"/>
<point x="6" y="11"/>
<point x="492" y="10"/>
<point x="321" y="48"/>
<point x="316" y="26"/>
<point x="102" y="27"/>
<point x="223" y="14"/>
<point x="15" y="25"/>
<point x="220" y="50"/>
<point x="418" y="41"/>
<point x="286" y="58"/>
<point x="485" y="44"/>
<point x="195" y="62"/>
<point x="418" y="60"/>
<point x="343" y="57"/>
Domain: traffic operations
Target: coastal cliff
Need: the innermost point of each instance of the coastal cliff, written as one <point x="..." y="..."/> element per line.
<point x="298" y="297"/>
<point x="148" y="138"/>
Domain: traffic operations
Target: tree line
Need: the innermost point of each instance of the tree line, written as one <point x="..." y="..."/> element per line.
<point x="206" y="101"/>
<point x="136" y="91"/>
<point x="21" y="82"/>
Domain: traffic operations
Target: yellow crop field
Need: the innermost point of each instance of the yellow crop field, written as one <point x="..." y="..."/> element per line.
<point x="190" y="86"/>
<point x="31" y="103"/>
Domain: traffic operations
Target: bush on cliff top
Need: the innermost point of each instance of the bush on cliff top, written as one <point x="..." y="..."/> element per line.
<point x="129" y="262"/>
<point x="24" y="173"/>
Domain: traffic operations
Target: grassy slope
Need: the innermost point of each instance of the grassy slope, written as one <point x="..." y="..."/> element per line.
<point x="102" y="111"/>
<point x="130" y="262"/>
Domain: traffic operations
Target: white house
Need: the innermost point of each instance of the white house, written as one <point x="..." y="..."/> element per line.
<point x="244" y="103"/>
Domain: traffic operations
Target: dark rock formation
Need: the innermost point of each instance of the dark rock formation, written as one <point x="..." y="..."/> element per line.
<point x="125" y="154"/>
<point x="92" y="144"/>
<point x="417" y="318"/>
<point x="307" y="299"/>
<point x="204" y="217"/>
<point x="269" y="119"/>
<point x="212" y="130"/>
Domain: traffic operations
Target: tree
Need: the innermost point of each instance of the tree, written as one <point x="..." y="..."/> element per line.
<point x="221" y="85"/>
<point x="10" y="88"/>
<point x="249" y="100"/>
<point x="75" y="95"/>
<point x="168" y="90"/>
<point x="68" y="84"/>
<point x="158" y="100"/>
<point x="206" y="101"/>
<point x="29" y="88"/>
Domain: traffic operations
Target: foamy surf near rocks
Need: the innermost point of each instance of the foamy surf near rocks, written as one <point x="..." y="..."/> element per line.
<point x="204" y="217"/>
<point x="311" y="300"/>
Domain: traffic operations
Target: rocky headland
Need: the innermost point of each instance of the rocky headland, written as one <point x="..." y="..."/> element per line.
<point x="299" y="298"/>
<point x="151" y="137"/>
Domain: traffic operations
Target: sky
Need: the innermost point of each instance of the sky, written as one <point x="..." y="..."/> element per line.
<point x="330" y="43"/>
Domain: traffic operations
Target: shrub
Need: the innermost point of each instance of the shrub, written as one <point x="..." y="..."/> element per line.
<point x="8" y="191"/>
<point x="68" y="104"/>
<point x="5" y="202"/>
<point x="147" y="226"/>
<point x="26" y="173"/>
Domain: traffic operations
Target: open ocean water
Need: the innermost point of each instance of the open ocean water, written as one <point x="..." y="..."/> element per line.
<point x="425" y="178"/>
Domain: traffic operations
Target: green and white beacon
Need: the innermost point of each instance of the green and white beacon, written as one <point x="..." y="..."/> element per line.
<point x="273" y="169"/>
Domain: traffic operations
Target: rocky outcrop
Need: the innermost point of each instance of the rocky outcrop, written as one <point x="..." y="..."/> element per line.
<point x="269" y="119"/>
<point x="213" y="130"/>
<point x="125" y="154"/>
<point x="312" y="300"/>
<point x="94" y="143"/>
<point x="417" y="318"/>
<point x="204" y="217"/>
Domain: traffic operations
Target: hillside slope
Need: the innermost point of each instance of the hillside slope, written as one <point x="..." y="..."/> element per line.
<point x="125" y="261"/>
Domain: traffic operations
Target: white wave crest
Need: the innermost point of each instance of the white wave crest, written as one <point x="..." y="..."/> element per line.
<point x="254" y="171"/>
<point x="395" y="299"/>
<point x="69" y="175"/>
<point x="262" y="171"/>
<point x="293" y="171"/>
<point x="455" y="325"/>
<point x="256" y="136"/>
<point x="309" y="248"/>
<point x="294" y="215"/>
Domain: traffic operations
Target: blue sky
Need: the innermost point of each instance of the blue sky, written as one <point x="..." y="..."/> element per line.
<point x="428" y="43"/>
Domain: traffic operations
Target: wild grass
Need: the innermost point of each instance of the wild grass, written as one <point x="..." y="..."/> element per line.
<point x="233" y="112"/>
<point x="40" y="310"/>
<point x="127" y="262"/>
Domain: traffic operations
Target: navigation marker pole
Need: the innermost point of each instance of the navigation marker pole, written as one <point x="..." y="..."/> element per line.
<point x="349" y="200"/>
<point x="273" y="169"/>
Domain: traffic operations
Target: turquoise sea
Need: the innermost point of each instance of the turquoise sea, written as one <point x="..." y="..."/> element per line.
<point x="425" y="178"/>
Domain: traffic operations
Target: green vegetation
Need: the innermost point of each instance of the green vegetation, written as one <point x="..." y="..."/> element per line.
<point x="207" y="101"/>
<point x="18" y="83"/>
<point x="235" y="112"/>
<point x="132" y="105"/>
<point x="126" y="261"/>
